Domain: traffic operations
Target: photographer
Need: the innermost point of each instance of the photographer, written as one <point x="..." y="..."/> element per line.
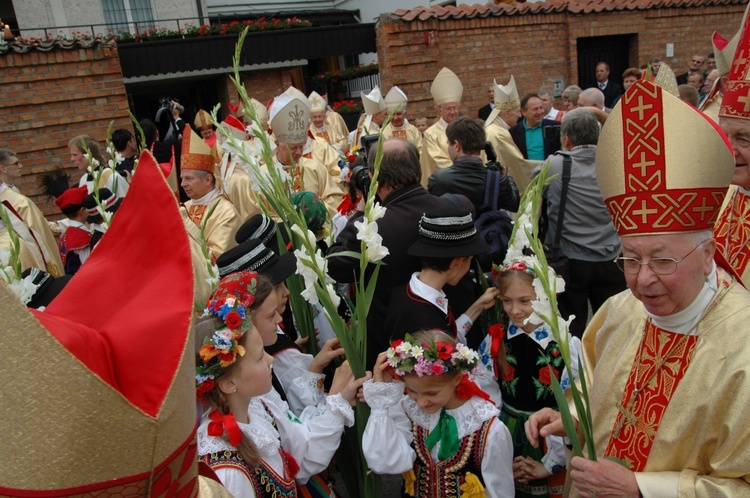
<point x="529" y="135"/>
<point x="171" y="108"/>
<point x="467" y="175"/>
<point x="588" y="236"/>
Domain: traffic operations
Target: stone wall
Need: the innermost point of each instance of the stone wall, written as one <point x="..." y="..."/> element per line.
<point x="534" y="47"/>
<point x="47" y="98"/>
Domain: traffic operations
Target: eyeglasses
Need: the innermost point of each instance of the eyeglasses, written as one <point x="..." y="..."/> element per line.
<point x="660" y="266"/>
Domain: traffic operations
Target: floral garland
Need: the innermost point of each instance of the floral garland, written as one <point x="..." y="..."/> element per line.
<point x="430" y="358"/>
<point x="234" y="296"/>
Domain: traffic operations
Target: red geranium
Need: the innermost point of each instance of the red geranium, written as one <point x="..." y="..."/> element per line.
<point x="544" y="375"/>
<point x="396" y="343"/>
<point x="233" y="320"/>
<point x="508" y="373"/>
<point x="445" y="350"/>
<point x="437" y="369"/>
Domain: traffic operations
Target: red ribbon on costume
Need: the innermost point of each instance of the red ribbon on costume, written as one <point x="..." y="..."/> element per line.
<point x="467" y="388"/>
<point x="346" y="205"/>
<point x="220" y="423"/>
<point x="292" y="467"/>
<point x="233" y="107"/>
<point x="496" y="332"/>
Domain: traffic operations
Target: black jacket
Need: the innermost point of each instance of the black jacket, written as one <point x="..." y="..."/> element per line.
<point x="484" y="112"/>
<point x="518" y="132"/>
<point x="611" y="92"/>
<point x="468" y="176"/>
<point x="399" y="229"/>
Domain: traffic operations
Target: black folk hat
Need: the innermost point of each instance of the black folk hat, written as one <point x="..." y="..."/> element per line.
<point x="447" y="233"/>
<point x="253" y="255"/>
<point x="260" y="227"/>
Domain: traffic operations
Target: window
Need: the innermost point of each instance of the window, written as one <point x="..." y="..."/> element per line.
<point x="127" y="15"/>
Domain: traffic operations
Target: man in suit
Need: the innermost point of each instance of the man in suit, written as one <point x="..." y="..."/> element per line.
<point x="694" y="66"/>
<point x="485" y="111"/>
<point x="610" y="89"/>
<point x="528" y="135"/>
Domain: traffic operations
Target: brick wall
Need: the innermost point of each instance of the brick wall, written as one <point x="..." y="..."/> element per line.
<point x="533" y="47"/>
<point x="261" y="85"/>
<point x="47" y="98"/>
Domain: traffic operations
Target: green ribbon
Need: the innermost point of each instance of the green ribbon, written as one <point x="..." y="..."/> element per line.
<point x="447" y="433"/>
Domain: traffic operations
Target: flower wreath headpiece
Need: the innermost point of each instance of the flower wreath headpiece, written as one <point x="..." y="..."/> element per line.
<point x="234" y="295"/>
<point x="430" y="358"/>
<point x="522" y="264"/>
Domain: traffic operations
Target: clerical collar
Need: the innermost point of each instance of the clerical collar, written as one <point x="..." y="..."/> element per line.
<point x="318" y="130"/>
<point x="683" y="321"/>
<point x="502" y="123"/>
<point x="744" y="190"/>
<point x="443" y="123"/>
<point x="206" y="198"/>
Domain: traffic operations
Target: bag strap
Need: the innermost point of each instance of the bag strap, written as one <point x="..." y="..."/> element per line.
<point x="491" y="189"/>
<point x="567" y="166"/>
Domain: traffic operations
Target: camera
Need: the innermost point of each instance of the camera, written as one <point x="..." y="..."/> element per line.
<point x="551" y="132"/>
<point x="367" y="142"/>
<point x="359" y="180"/>
<point x="165" y="106"/>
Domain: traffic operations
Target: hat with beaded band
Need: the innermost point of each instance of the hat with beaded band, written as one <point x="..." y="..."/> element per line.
<point x="447" y="233"/>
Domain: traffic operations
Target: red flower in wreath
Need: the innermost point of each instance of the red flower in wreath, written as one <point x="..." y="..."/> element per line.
<point x="444" y="350"/>
<point x="509" y="373"/>
<point x="205" y="387"/>
<point x="544" y="375"/>
<point x="233" y="320"/>
<point x="396" y="343"/>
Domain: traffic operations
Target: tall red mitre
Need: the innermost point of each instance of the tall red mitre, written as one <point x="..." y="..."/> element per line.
<point x="662" y="166"/>
<point x="98" y="390"/>
<point x="736" y="101"/>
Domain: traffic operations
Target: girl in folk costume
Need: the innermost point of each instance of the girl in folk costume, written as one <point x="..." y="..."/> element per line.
<point x="86" y="155"/>
<point x="525" y="356"/>
<point x="443" y="434"/>
<point x="255" y="446"/>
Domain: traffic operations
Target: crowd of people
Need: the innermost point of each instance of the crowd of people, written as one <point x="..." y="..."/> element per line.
<point x="636" y="206"/>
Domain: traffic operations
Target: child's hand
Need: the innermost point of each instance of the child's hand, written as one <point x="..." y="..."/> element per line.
<point x="527" y="469"/>
<point x="352" y="391"/>
<point x="381" y="372"/>
<point x="487" y="299"/>
<point x="341" y="378"/>
<point x="332" y="349"/>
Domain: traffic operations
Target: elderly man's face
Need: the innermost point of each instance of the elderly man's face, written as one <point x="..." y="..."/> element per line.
<point x="195" y="184"/>
<point x="695" y="80"/>
<point x="709" y="83"/>
<point x="738" y="132"/>
<point x="546" y="102"/>
<point x="534" y="111"/>
<point x="398" y="117"/>
<point x="665" y="295"/>
<point x="450" y="111"/>
<point x="285" y="153"/>
<point x="318" y="119"/>
<point x="12" y="167"/>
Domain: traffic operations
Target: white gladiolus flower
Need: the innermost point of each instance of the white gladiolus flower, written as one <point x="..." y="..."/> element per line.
<point x="335" y="299"/>
<point x="375" y="253"/>
<point x="376" y="212"/>
<point x="368" y="232"/>
<point x="309" y="294"/>
<point x="305" y="235"/>
<point x="24" y="289"/>
<point x="4" y="258"/>
<point x="307" y="273"/>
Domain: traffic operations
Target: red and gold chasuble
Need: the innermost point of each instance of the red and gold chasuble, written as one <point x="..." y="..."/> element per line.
<point x="400" y="134"/>
<point x="196" y="212"/>
<point x="661" y="362"/>
<point x="324" y="135"/>
<point x="732" y="232"/>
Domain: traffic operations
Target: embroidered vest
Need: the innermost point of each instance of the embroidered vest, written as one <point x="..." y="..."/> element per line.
<point x="444" y="479"/>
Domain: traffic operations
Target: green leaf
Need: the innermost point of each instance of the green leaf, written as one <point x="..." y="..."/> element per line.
<point x="567" y="418"/>
<point x="348" y="254"/>
<point x="617" y="460"/>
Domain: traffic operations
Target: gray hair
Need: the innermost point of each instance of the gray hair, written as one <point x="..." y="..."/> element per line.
<point x="6" y="154"/>
<point x="571" y="93"/>
<point x="581" y="127"/>
<point x="592" y="97"/>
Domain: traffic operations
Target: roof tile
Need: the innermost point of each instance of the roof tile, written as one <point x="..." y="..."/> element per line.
<point x="467" y="11"/>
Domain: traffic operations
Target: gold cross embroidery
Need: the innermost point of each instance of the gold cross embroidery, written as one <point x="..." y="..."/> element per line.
<point x="644" y="212"/>
<point x="641" y="107"/>
<point x="643" y="164"/>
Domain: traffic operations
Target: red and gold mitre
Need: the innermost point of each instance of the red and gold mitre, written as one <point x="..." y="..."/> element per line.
<point x="98" y="390"/>
<point x="203" y="120"/>
<point x="662" y="166"/>
<point x="736" y="101"/>
<point x="196" y="153"/>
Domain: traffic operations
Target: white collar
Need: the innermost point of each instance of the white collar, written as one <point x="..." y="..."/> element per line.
<point x="78" y="224"/>
<point x="443" y="123"/>
<point x="683" y="321"/>
<point x="540" y="335"/>
<point x="502" y="122"/>
<point x="206" y="199"/>
<point x="318" y="130"/>
<point x="469" y="417"/>
<point x="433" y="296"/>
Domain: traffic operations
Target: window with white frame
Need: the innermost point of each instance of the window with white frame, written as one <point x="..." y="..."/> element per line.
<point x="126" y="15"/>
